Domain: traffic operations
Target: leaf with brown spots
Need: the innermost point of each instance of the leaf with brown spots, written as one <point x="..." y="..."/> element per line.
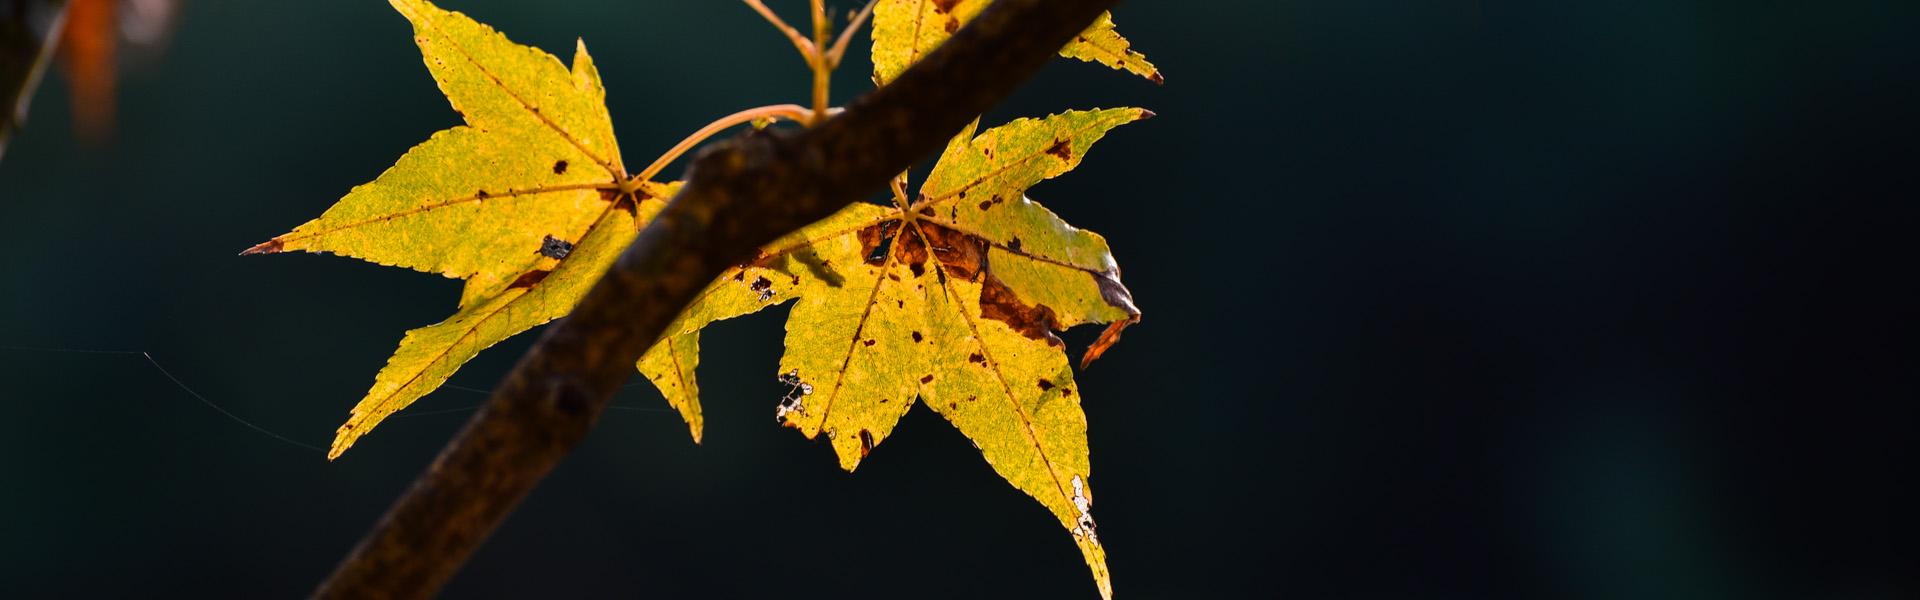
<point x="527" y="201"/>
<point x="951" y="296"/>
<point x="949" y="300"/>
<point x="906" y="30"/>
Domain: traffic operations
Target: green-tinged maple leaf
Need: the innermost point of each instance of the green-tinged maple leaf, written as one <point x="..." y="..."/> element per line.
<point x="905" y="30"/>
<point x="528" y="202"/>
<point x="951" y="298"/>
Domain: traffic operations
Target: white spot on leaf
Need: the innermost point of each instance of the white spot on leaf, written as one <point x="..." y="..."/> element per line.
<point x="1084" y="527"/>
<point x="797" y="393"/>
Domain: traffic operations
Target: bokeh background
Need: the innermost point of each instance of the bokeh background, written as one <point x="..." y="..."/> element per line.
<point x="1456" y="299"/>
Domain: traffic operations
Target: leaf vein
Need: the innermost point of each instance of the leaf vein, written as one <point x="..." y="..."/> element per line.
<point x="617" y="172"/>
<point x="464" y="337"/>
<point x="993" y="365"/>
<point x="437" y="205"/>
<point x="865" y="312"/>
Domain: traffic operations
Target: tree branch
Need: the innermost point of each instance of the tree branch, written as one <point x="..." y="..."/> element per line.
<point x="740" y="194"/>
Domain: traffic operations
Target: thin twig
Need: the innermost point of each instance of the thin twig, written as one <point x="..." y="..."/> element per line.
<point x="792" y="112"/>
<point x="839" y="48"/>
<point x="822" y="71"/>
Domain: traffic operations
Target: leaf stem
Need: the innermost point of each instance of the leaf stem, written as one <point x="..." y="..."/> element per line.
<point x="822" y="70"/>
<point x="899" y="187"/>
<point x="792" y="112"/>
<point x="839" y="48"/>
<point x="821" y="59"/>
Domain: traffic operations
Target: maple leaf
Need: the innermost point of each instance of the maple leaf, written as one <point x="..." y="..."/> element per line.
<point x="528" y="202"/>
<point x="951" y="298"/>
<point x="905" y="30"/>
<point x="916" y="332"/>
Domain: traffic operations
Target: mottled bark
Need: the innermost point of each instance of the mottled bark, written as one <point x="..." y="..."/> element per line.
<point x="740" y="194"/>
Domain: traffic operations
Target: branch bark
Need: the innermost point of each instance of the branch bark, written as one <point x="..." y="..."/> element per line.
<point x="740" y="194"/>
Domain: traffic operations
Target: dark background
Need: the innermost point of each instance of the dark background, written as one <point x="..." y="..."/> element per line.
<point x="1443" y="300"/>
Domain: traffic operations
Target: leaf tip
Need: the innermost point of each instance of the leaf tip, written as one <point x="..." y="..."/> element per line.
<point x="1107" y="339"/>
<point x="272" y="246"/>
<point x="344" y="437"/>
<point x="849" y="460"/>
<point x="1156" y="78"/>
<point x="1096" y="558"/>
<point x="1147" y="114"/>
<point x="581" y="60"/>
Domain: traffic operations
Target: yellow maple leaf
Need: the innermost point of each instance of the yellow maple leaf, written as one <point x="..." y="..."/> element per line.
<point x="952" y="299"/>
<point x="905" y="30"/>
<point x="528" y="202"/>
